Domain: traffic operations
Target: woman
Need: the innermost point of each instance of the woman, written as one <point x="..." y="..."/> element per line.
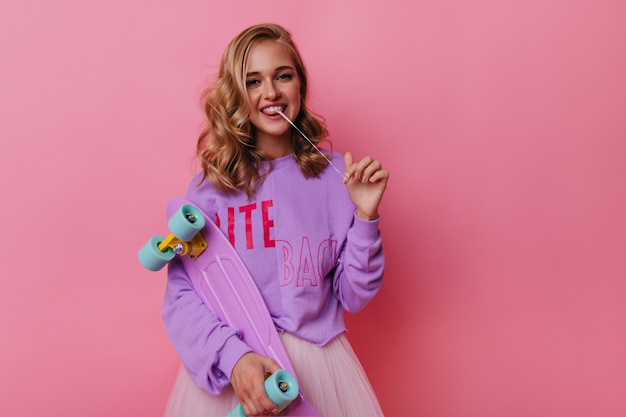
<point x="309" y="237"/>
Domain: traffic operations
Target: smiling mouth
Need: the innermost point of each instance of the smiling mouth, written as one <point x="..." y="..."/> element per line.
<point x="273" y="110"/>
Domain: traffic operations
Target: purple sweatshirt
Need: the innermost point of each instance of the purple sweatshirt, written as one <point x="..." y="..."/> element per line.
<point x="309" y="253"/>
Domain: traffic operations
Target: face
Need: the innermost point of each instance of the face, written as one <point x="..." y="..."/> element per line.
<point x="272" y="84"/>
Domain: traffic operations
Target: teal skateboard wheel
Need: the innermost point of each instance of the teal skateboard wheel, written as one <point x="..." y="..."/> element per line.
<point x="281" y="387"/>
<point x="186" y="222"/>
<point x="151" y="257"/>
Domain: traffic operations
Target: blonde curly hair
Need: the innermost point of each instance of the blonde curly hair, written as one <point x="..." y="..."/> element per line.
<point x="226" y="146"/>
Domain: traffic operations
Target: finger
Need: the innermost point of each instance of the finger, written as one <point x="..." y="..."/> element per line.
<point x="372" y="168"/>
<point x="248" y="381"/>
<point x="258" y="404"/>
<point x="355" y="170"/>
<point x="349" y="163"/>
<point x="380" y="176"/>
<point x="347" y="159"/>
<point x="270" y="366"/>
<point x="361" y="166"/>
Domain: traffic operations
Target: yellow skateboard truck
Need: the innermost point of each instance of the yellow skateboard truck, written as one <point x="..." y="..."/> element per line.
<point x="193" y="248"/>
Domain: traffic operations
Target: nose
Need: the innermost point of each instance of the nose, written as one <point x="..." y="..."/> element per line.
<point x="271" y="92"/>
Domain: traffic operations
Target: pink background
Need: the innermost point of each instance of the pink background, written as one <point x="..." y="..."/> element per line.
<point x="503" y="124"/>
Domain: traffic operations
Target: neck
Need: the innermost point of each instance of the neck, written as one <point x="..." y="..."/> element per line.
<point x="274" y="147"/>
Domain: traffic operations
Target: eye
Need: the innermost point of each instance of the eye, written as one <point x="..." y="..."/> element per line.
<point x="253" y="82"/>
<point x="284" y="77"/>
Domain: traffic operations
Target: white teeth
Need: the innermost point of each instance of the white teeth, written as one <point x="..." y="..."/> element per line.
<point x="273" y="109"/>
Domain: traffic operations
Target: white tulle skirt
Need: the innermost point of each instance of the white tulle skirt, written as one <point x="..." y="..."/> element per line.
<point x="331" y="377"/>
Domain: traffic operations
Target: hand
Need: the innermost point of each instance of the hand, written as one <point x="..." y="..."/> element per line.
<point x="366" y="182"/>
<point x="247" y="380"/>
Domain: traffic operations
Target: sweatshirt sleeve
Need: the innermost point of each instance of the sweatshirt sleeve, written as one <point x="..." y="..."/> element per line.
<point x="360" y="266"/>
<point x="208" y="348"/>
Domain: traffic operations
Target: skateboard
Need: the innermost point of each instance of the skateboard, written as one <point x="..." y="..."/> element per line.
<point x="223" y="282"/>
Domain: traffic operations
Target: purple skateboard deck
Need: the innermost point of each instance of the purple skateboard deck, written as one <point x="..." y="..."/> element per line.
<point x="229" y="291"/>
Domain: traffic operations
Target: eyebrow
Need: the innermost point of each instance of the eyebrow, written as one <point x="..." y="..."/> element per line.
<point x="281" y="68"/>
